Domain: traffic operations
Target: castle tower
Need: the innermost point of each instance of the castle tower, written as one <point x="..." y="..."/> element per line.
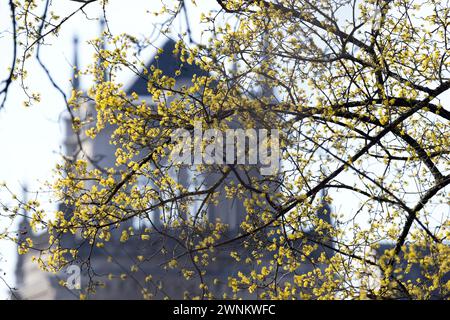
<point x="70" y="141"/>
<point x="229" y="211"/>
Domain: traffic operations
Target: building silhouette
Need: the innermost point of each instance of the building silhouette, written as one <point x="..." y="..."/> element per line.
<point x="107" y="265"/>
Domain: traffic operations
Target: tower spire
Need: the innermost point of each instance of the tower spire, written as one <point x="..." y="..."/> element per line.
<point x="24" y="231"/>
<point x="75" y="78"/>
<point x="70" y="140"/>
<point x="324" y="212"/>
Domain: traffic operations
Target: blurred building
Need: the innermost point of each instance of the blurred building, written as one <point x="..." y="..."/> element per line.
<point x="116" y="258"/>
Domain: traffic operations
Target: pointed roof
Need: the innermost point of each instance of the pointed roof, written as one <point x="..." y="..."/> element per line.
<point x="169" y="63"/>
<point x="75" y="79"/>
